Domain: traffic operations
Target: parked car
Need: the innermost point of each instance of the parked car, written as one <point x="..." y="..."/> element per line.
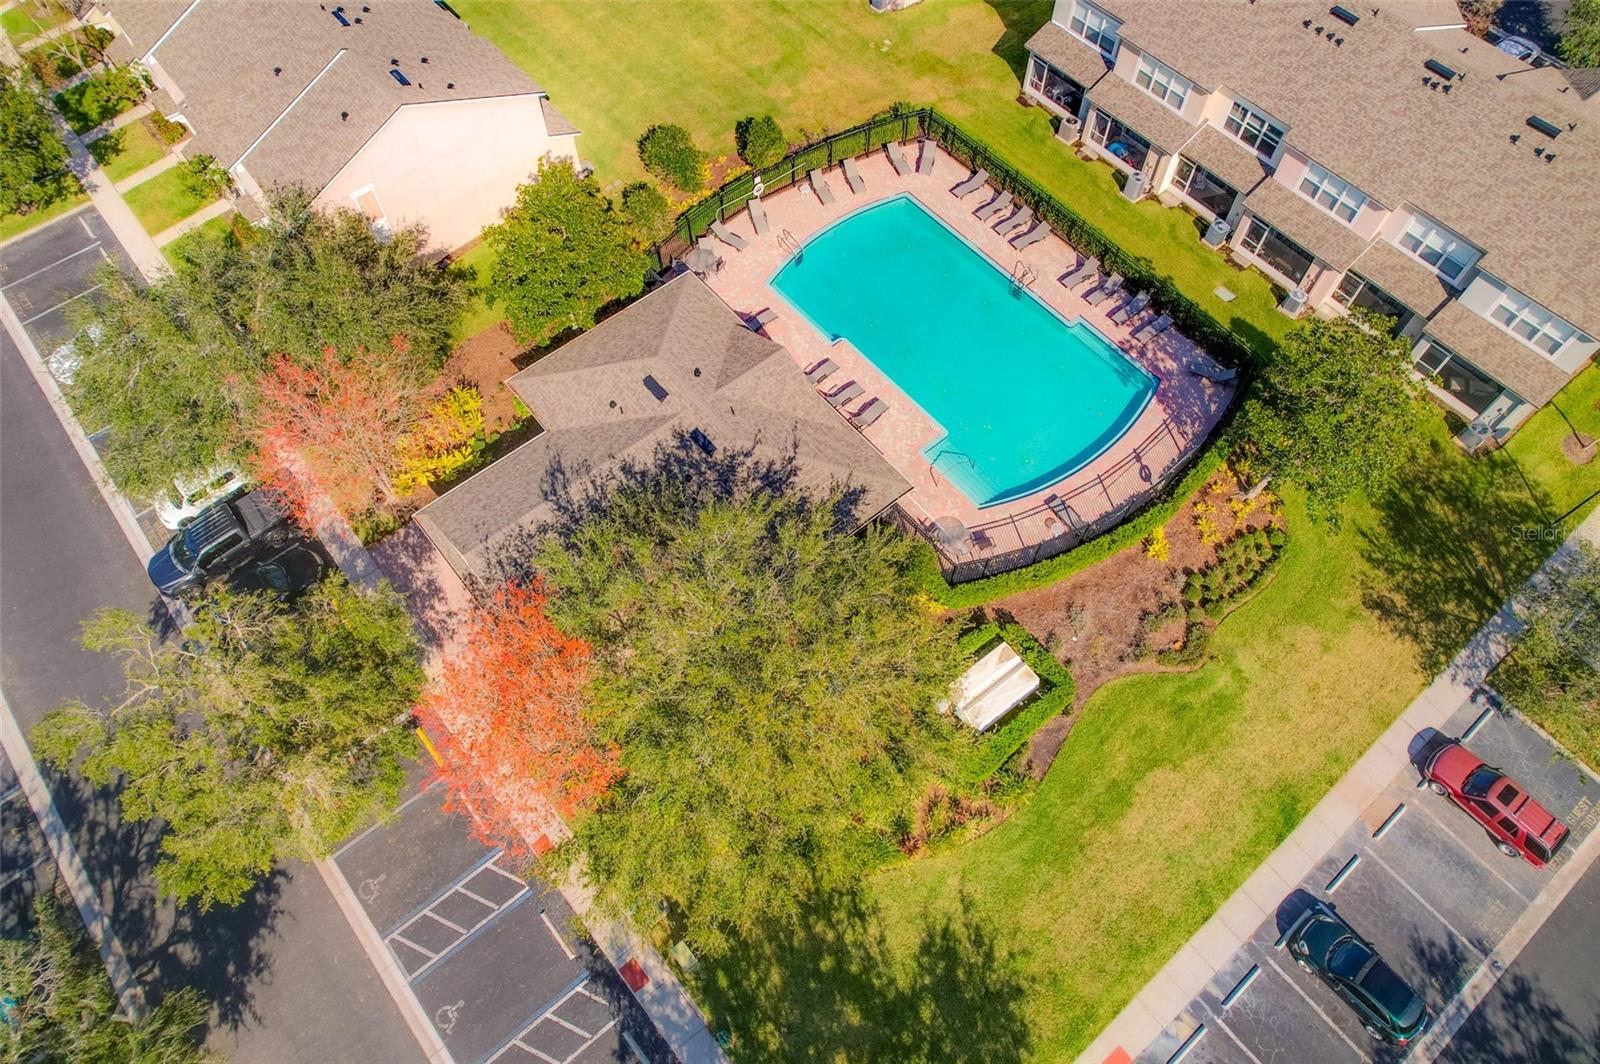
<point x="1323" y="944"/>
<point x="63" y="362"/>
<point x="1517" y="823"/>
<point x="221" y="538"/>
<point x="190" y="495"/>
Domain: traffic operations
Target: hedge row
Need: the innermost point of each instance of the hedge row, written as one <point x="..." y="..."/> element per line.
<point x="994" y="748"/>
<point x="931" y="579"/>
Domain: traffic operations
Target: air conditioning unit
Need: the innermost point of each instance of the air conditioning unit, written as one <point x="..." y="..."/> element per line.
<point x="1217" y="233"/>
<point x="1133" y="188"/>
<point x="1294" y="302"/>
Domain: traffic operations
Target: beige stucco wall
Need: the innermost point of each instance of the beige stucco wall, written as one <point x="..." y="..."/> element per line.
<point x="451" y="166"/>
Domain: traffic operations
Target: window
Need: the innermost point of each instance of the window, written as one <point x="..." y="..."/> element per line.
<point x="1055" y="86"/>
<point x="366" y="200"/>
<point x="1509" y="826"/>
<point x="1537" y="848"/>
<point x="1277" y="250"/>
<point x="1130" y="149"/>
<point x="219" y="548"/>
<point x="1531" y="323"/>
<point x="1463" y="383"/>
<point x="1358" y="293"/>
<point x="1090" y="24"/>
<point x="1438" y="247"/>
<point x="1162" y="82"/>
<point x="1333" y="194"/>
<point x="1204" y="187"/>
<point x="1255" y="129"/>
<point x="1507" y="795"/>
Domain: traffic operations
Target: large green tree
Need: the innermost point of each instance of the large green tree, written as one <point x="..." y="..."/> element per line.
<point x="32" y="156"/>
<point x="58" y="1004"/>
<point x="1334" y="409"/>
<point x="561" y="254"/>
<point x="267" y="732"/>
<point x="170" y="368"/>
<point x="772" y="687"/>
<point x="1580" y="44"/>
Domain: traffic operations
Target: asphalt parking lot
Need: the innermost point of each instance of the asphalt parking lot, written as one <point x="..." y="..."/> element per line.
<point x="498" y="961"/>
<point x="44" y="273"/>
<point x="1418" y="879"/>
<point x="26" y="865"/>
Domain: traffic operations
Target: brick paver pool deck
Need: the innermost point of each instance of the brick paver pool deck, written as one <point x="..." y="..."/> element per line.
<point x="1185" y="408"/>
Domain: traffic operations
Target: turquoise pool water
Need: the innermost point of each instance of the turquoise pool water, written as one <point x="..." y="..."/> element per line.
<point x="1025" y="399"/>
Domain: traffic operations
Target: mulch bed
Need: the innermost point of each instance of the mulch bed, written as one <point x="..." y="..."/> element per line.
<point x="485" y="361"/>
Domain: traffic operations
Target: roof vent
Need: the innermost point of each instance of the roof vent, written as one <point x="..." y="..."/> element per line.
<point x="449" y="84"/>
<point x="276" y="71"/>
<point x="424" y="59"/>
<point x="344" y="116"/>
<point x="1440" y="69"/>
<point x="338" y="13"/>
<point x="1549" y="129"/>
<point x="653" y="386"/>
<point x="702" y="441"/>
<point x="1344" y="14"/>
<point x="398" y="76"/>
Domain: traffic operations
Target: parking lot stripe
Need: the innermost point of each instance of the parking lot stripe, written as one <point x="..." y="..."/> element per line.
<point x="1473" y="946"/>
<point x="1342" y="874"/>
<point x="469" y="934"/>
<point x="52" y="266"/>
<point x="1317" y="1008"/>
<point x="403" y="940"/>
<point x="1488" y="866"/>
<point x="390" y="819"/>
<point x="571" y="956"/>
<point x="1225" y="1029"/>
<point x="431" y="902"/>
<point x="572" y="988"/>
<point x="58" y="306"/>
<point x="84" y="221"/>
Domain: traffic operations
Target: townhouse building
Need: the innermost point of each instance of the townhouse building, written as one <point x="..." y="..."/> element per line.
<point x="1360" y="155"/>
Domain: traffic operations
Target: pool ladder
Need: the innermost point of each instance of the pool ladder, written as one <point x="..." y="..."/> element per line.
<point x="1022" y="276"/>
<point x="790" y="245"/>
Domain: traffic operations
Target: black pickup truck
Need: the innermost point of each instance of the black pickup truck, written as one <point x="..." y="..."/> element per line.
<point x="219" y="539"/>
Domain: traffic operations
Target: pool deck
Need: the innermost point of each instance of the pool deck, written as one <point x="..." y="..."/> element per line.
<point x="1182" y="412"/>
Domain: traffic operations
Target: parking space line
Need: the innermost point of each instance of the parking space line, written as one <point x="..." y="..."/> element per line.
<point x="11" y="877"/>
<point x="1424" y="903"/>
<point x="463" y="934"/>
<point x="398" y="937"/>
<point x="84" y="221"/>
<point x="571" y="956"/>
<point x="1317" y="1008"/>
<point x="1225" y="1029"/>
<point x="549" y="1013"/>
<point x="441" y="895"/>
<point x="1487" y="866"/>
<point x="58" y="306"/>
<point x="53" y="265"/>
<point x="457" y="928"/>
<point x="392" y="817"/>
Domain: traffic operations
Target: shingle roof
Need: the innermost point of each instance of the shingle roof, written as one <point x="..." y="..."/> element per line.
<point x="1497" y="352"/>
<point x="1306" y="224"/>
<point x="736" y="387"/>
<point x="1068" y="54"/>
<point x="1142" y="113"/>
<point x="1402" y="276"/>
<point x="1369" y="111"/>
<point x="555" y="123"/>
<point x="241" y="64"/>
<point x="1226" y="157"/>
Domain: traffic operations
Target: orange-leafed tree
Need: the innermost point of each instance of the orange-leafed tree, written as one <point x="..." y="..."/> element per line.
<point x="506" y="712"/>
<point x="340" y="421"/>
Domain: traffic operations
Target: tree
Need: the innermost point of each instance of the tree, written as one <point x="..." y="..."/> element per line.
<point x="59" y="1005"/>
<point x="561" y="254"/>
<point x="760" y="141"/>
<point x="269" y="732"/>
<point x="647" y="211"/>
<point x="1553" y="672"/>
<point x="668" y="153"/>
<point x="33" y="157"/>
<point x="771" y="687"/>
<point x="1580" y="44"/>
<point x="1334" y="410"/>
<point x="508" y="711"/>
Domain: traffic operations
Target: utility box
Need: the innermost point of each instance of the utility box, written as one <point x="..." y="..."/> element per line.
<point x="1294" y="302"/>
<point x="1217" y="233"/>
<point x="1134" y="187"/>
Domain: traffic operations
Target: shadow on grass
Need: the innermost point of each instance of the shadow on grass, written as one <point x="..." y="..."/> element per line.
<point x="830" y="989"/>
<point x="1450" y="543"/>
<point x="1022" y="19"/>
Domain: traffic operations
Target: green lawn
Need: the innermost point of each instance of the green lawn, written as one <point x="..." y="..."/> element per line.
<point x="179" y="251"/>
<point x="479" y="314"/>
<point x="71" y="195"/>
<point x="165" y="200"/>
<point x="124" y="152"/>
<point x="820" y="65"/>
<point x="98" y="100"/>
<point x="23" y="22"/>
<point x="1536" y="448"/>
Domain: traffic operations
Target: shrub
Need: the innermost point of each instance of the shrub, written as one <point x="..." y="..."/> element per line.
<point x="100" y="99"/>
<point x="668" y="153"/>
<point x="648" y="212"/>
<point x="449" y="440"/>
<point x="169" y="131"/>
<point x="1196" y="638"/>
<point x="205" y="177"/>
<point x="1156" y="546"/>
<point x="760" y="140"/>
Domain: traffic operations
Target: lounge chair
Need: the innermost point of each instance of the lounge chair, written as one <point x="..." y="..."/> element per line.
<point x="758" y="217"/>
<point x="843" y="395"/>
<point x="1125" y="313"/>
<point x="1032" y="236"/>
<point x="993" y="207"/>
<point x="1154" y="327"/>
<point x="852" y="177"/>
<point x="1015" y="222"/>
<point x="870" y="411"/>
<point x="1059" y="507"/>
<point x="1105" y="291"/>
<point x="1087" y="269"/>
<point x="970" y="185"/>
<point x="759" y="320"/>
<point x="821" y="370"/>
<point x="1220" y="376"/>
<point x="728" y="236"/>
<point x="897" y="159"/>
<point x="819" y="185"/>
<point x="925" y="160"/>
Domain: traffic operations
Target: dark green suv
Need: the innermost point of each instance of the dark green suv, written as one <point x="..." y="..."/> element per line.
<point x="1324" y="944"/>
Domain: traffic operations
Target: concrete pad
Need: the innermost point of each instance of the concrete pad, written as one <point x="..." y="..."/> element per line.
<point x="1216" y="942"/>
<point x="1267" y="887"/>
<point x="1242" y="914"/>
<point x="1165" y="994"/>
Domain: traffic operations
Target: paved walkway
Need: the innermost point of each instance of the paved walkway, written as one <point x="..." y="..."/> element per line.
<point x="103" y="194"/>
<point x="1199" y="960"/>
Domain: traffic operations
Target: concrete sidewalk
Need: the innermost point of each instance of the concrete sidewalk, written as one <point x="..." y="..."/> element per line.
<point x="1198" y="961"/>
<point x="140" y="248"/>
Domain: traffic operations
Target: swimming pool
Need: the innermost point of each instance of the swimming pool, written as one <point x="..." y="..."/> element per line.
<point x="1024" y="397"/>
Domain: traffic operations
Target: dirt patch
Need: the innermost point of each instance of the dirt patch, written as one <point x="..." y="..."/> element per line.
<point x="1094" y="621"/>
<point x="1045" y="744"/>
<point x="1579" y="448"/>
<point x="486" y="361"/>
<point x="724" y="167"/>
